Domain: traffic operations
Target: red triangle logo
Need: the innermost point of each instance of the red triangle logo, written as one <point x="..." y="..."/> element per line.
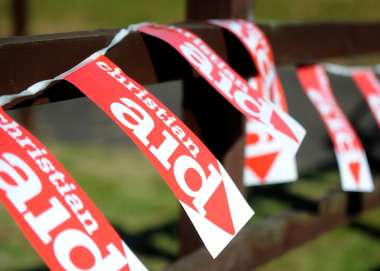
<point x="252" y="139"/>
<point x="280" y="125"/>
<point x="218" y="210"/>
<point x="355" y="171"/>
<point x="262" y="164"/>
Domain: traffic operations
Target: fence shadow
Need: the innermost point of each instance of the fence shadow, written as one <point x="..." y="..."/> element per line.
<point x="142" y="243"/>
<point x="366" y="229"/>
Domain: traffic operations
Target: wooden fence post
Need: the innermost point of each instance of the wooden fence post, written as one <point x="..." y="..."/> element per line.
<point x="215" y="121"/>
<point x="19" y="17"/>
<point x="206" y="9"/>
<point x="20" y="28"/>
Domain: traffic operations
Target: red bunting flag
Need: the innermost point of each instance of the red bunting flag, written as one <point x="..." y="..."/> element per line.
<point x="229" y="84"/>
<point x="267" y="161"/>
<point x="53" y="212"/>
<point x="352" y="160"/>
<point x="369" y="87"/>
<point x="200" y="183"/>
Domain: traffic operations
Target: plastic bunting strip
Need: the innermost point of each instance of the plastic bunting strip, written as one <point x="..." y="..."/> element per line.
<point x="345" y="70"/>
<point x="267" y="161"/>
<point x="52" y="211"/>
<point x="230" y="85"/>
<point x="351" y="157"/>
<point x="369" y="87"/>
<point x="201" y="184"/>
<point x="367" y="83"/>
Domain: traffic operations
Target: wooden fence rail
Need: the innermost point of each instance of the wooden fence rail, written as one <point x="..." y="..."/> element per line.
<point x="29" y="59"/>
<point x="262" y="242"/>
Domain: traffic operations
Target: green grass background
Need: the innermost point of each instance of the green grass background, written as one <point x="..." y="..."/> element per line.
<point x="73" y="15"/>
<point x="125" y="186"/>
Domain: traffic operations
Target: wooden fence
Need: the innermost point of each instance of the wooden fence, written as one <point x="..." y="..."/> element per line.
<point x="28" y="59"/>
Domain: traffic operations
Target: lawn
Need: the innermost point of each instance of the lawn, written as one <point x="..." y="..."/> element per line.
<point x="355" y="247"/>
<point x="74" y="15"/>
<point x="139" y="204"/>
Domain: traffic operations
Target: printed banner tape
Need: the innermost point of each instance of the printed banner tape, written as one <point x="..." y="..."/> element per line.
<point x="369" y="87"/>
<point x="348" y="71"/>
<point x="261" y="53"/>
<point x="266" y="159"/>
<point x="342" y="70"/>
<point x="53" y="212"/>
<point x="209" y="196"/>
<point x="229" y="84"/>
<point x="203" y="187"/>
<point x="366" y="81"/>
<point x="352" y="160"/>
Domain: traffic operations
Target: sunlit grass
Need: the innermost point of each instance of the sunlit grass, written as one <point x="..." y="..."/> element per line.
<point x="348" y="248"/>
<point x="317" y="10"/>
<point x="74" y="15"/>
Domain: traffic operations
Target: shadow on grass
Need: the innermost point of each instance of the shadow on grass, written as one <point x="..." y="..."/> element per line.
<point x="366" y="229"/>
<point x="368" y="135"/>
<point x="142" y="243"/>
<point x="281" y="194"/>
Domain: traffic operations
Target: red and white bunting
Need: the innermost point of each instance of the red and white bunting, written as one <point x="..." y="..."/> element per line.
<point x="267" y="161"/>
<point x="201" y="184"/>
<point x="53" y="212"/>
<point x="369" y="87"/>
<point x="229" y="84"/>
<point x="352" y="160"/>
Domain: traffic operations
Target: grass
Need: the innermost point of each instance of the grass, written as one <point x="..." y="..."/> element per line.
<point x="74" y="15"/>
<point x="349" y="248"/>
<point x="124" y="181"/>
<point x="317" y="10"/>
<point x="126" y="188"/>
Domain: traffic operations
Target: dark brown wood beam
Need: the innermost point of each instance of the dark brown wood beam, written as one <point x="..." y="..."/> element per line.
<point x="259" y="243"/>
<point x="207" y="113"/>
<point x="205" y="9"/>
<point x="19" y="17"/>
<point x="26" y="60"/>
